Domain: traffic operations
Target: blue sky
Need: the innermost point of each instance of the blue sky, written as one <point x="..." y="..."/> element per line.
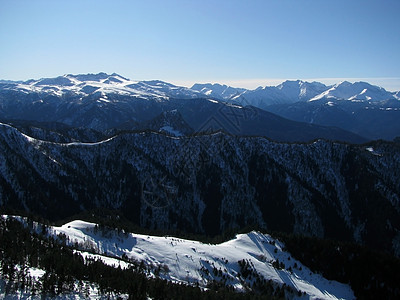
<point x="246" y="43"/>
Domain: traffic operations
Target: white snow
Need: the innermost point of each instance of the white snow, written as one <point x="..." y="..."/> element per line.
<point x="87" y="144"/>
<point x="103" y="99"/>
<point x="86" y="290"/>
<point x="189" y="262"/>
<point x="358" y="91"/>
<point x="286" y="92"/>
<point x="186" y="261"/>
<point x="171" y="130"/>
<point x="36" y="273"/>
<point x="112" y="84"/>
<point x="235" y="106"/>
<point x="372" y="151"/>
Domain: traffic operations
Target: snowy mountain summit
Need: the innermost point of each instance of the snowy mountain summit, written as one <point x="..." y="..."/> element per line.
<point x="217" y="90"/>
<point x="102" y="84"/>
<point x="110" y="102"/>
<point x="287" y="92"/>
<point x="297" y="91"/>
<point x="358" y="91"/>
<point x="98" y="101"/>
<point x="350" y="106"/>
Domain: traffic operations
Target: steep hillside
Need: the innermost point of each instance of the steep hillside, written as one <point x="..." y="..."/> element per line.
<point x="237" y="263"/>
<point x="373" y="120"/>
<point x="210" y="183"/>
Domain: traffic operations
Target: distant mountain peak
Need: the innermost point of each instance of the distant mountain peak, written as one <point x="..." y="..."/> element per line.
<point x="290" y="83"/>
<point x="291" y="91"/>
<point x="357" y="91"/>
<point x="343" y="83"/>
<point x="60" y="81"/>
<point x="219" y="91"/>
<point x="102" y="84"/>
<point x="96" y="77"/>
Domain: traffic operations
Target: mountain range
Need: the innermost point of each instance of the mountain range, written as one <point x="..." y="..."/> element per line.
<point x="302" y="111"/>
<point x="298" y="91"/>
<point x="361" y="108"/>
<point x="300" y="158"/>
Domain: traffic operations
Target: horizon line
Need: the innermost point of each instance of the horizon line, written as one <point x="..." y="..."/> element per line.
<point x="391" y="84"/>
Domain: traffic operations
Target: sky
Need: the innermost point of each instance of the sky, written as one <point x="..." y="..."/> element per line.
<point x="244" y="43"/>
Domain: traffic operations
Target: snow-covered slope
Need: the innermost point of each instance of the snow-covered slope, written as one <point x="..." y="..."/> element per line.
<point x="103" y="84"/>
<point x="109" y="106"/>
<point x="297" y="91"/>
<point x="106" y="102"/>
<point x="286" y="92"/>
<point x="96" y="101"/>
<point x="350" y="106"/>
<point x="358" y="91"/>
<point x="192" y="262"/>
<point x="218" y="91"/>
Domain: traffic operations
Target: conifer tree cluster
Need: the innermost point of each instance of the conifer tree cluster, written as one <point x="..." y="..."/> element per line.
<point x="66" y="271"/>
<point x="370" y="273"/>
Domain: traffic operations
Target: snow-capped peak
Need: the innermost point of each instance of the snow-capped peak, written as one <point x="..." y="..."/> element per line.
<point x="290" y="84"/>
<point x="358" y="91"/>
<point x="219" y="91"/>
<point x="290" y="91"/>
<point x="87" y="84"/>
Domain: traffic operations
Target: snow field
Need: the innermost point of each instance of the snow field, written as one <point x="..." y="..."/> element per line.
<point x="193" y="262"/>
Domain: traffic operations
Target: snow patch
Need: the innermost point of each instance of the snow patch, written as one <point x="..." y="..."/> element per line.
<point x="171" y="130"/>
<point x="192" y="262"/>
<point x="372" y="151"/>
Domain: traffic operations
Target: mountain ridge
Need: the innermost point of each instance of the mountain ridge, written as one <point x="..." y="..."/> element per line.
<point x="111" y="102"/>
<point x="217" y="90"/>
<point x="190" y="262"/>
<point x="350" y="106"/>
<point x="291" y="91"/>
<point x="205" y="183"/>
